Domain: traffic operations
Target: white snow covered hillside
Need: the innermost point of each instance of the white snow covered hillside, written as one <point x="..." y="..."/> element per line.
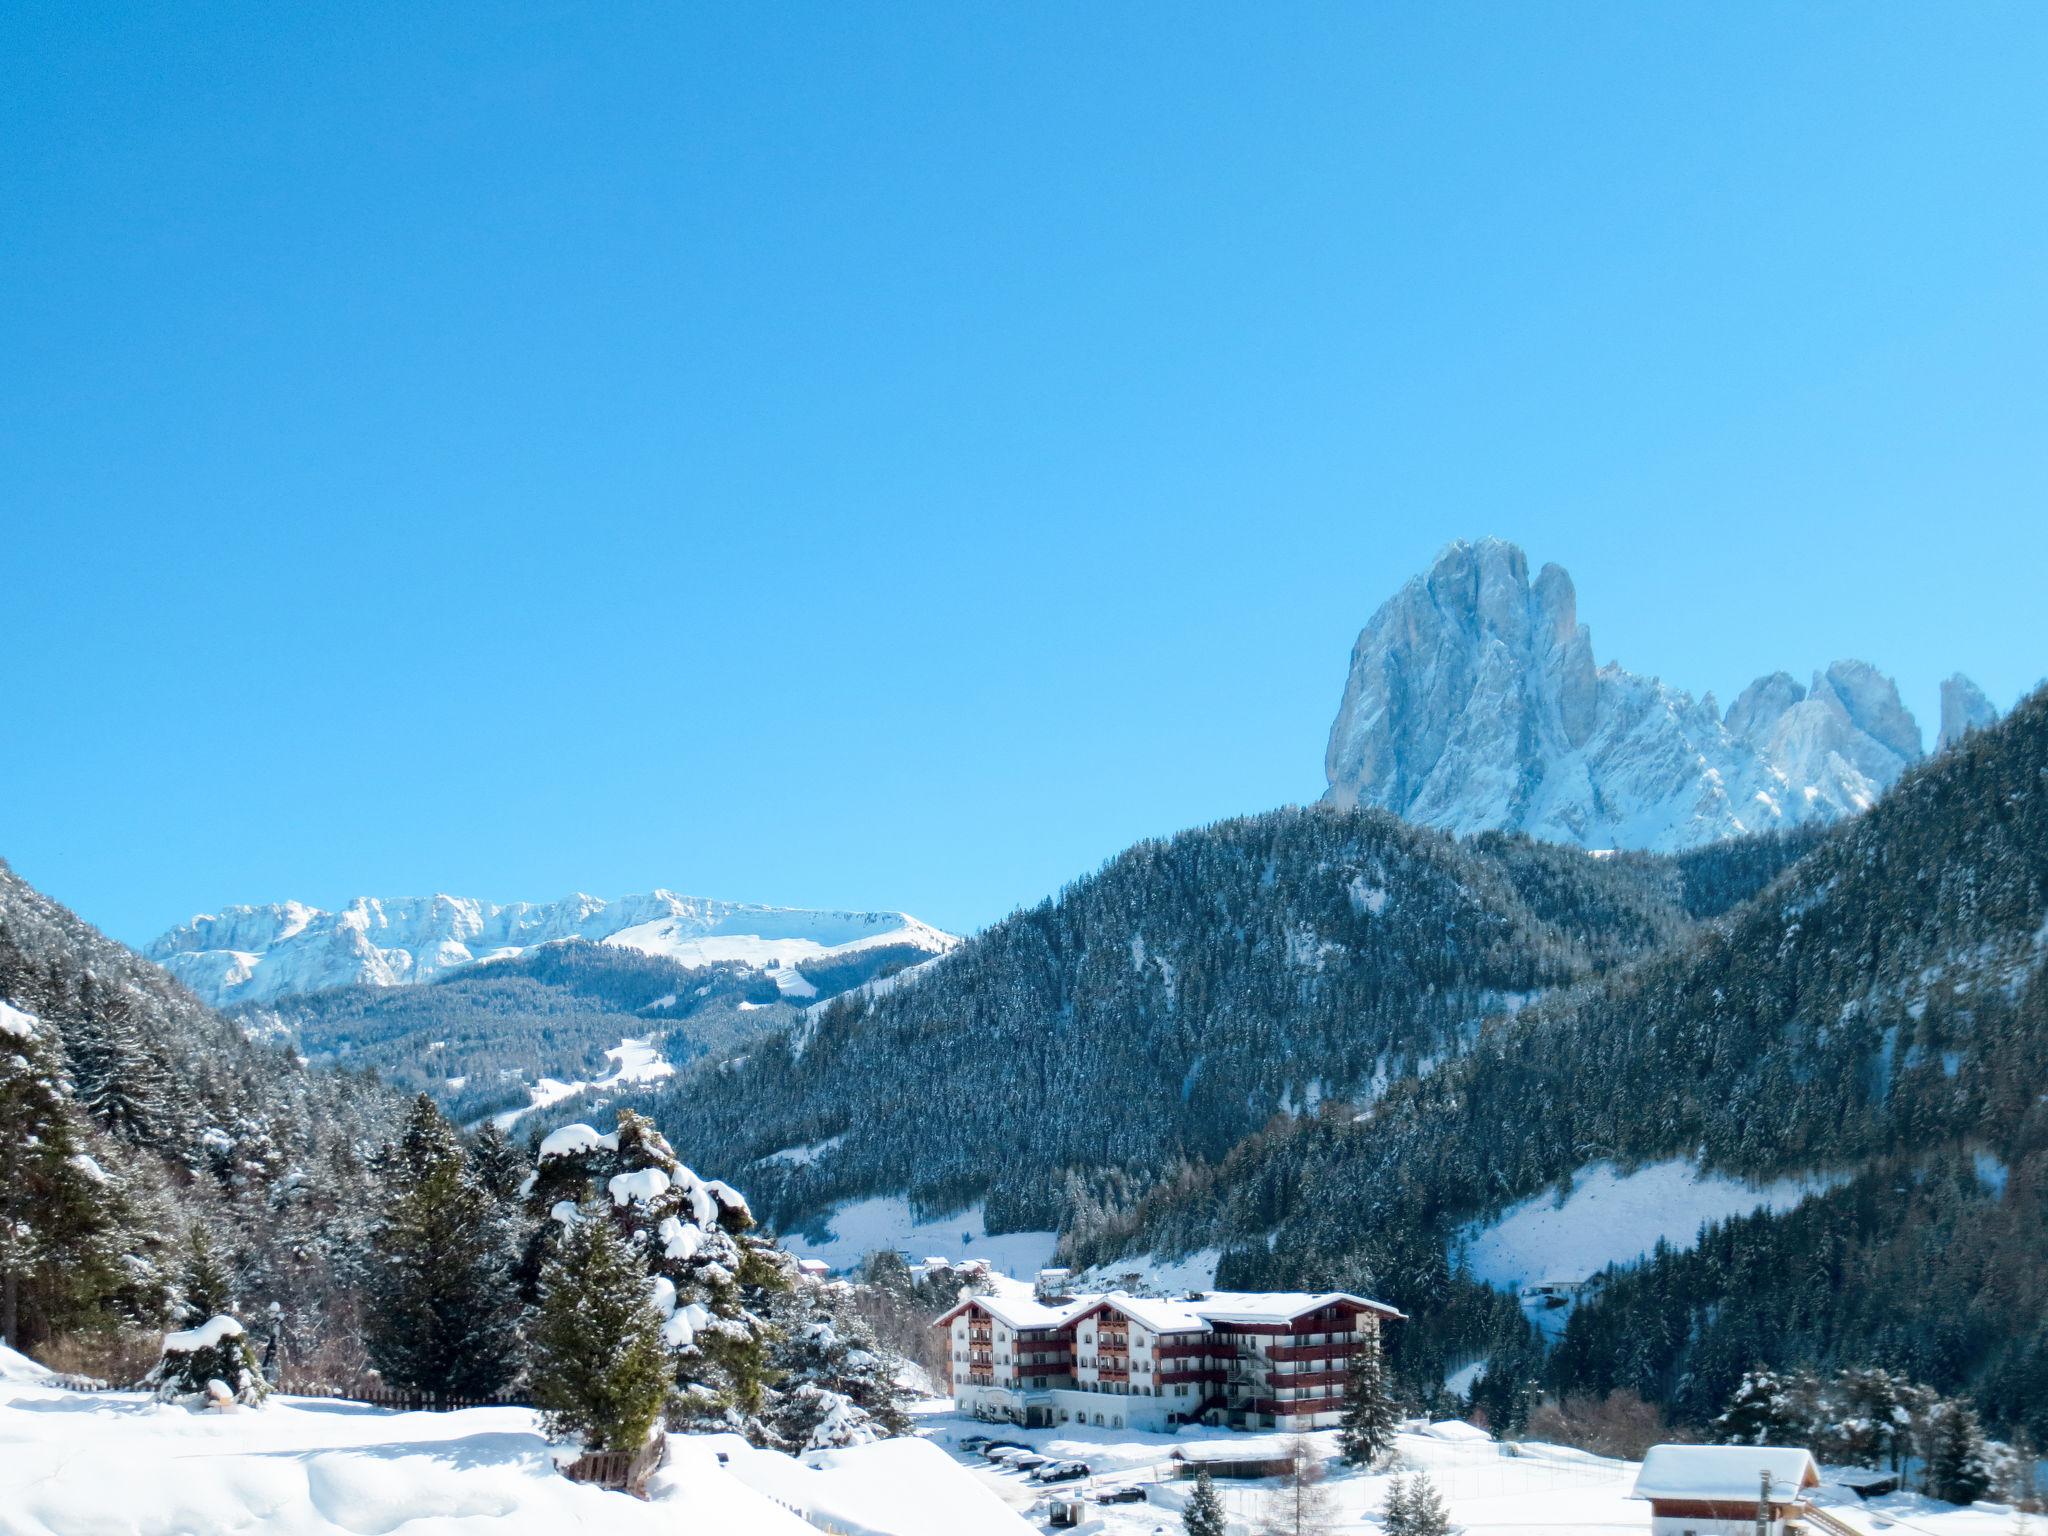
<point x="86" y="1463"/>
<point x="1473" y="702"/>
<point x="258" y="953"/>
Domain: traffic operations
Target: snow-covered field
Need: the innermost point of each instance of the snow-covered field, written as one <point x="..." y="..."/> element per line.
<point x="633" y="1061"/>
<point x="119" y="1464"/>
<point x="859" y="1228"/>
<point x="1196" y="1272"/>
<point x="1493" y="1489"/>
<point x="1616" y="1218"/>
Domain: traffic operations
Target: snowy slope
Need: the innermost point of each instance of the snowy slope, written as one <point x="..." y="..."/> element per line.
<point x="1612" y="1217"/>
<point x="256" y="953"/>
<point x="1473" y="702"/>
<point x="857" y="1229"/>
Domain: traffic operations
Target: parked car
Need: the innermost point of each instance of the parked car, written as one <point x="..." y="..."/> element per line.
<point x="1003" y="1450"/>
<point x="1030" y="1461"/>
<point x="1061" y="1471"/>
<point x="974" y="1443"/>
<point x="1131" y="1493"/>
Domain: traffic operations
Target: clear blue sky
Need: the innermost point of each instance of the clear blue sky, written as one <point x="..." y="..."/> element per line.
<point x="899" y="455"/>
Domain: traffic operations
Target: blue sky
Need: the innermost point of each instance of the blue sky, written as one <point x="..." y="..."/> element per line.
<point x="901" y="455"/>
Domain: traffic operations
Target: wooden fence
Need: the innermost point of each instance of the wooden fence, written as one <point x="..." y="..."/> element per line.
<point x="379" y="1395"/>
<point x="627" y="1471"/>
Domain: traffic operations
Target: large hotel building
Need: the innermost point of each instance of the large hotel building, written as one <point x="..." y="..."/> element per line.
<point x="1244" y="1359"/>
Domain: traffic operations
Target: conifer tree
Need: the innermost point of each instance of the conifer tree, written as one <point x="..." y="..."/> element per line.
<point x="1203" y="1515"/>
<point x="117" y="1080"/>
<point x="716" y="1279"/>
<point x="1368" y="1427"/>
<point x="441" y="1319"/>
<point x="835" y="1386"/>
<point x="1958" y="1461"/>
<point x="1421" y="1509"/>
<point x="1766" y="1409"/>
<point x="597" y="1366"/>
<point x="206" y="1286"/>
<point x="498" y="1166"/>
<point x="1397" y="1512"/>
<point x="58" y="1208"/>
<point x="208" y="1366"/>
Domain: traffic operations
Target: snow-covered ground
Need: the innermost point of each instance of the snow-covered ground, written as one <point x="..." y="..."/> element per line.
<point x="633" y="1061"/>
<point x="1493" y="1489"/>
<point x="86" y="1463"/>
<point x="859" y="1228"/>
<point x="1612" y="1217"/>
<point x="119" y="1464"/>
<point x="1195" y="1272"/>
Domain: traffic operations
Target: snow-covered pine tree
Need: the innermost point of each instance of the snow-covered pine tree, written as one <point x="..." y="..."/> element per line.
<point x="1766" y="1408"/>
<point x="1873" y="1419"/>
<point x="442" y="1318"/>
<point x="1203" y="1515"/>
<point x="59" y="1211"/>
<point x="1422" y="1510"/>
<point x="496" y="1164"/>
<point x="1397" y="1511"/>
<point x="834" y="1383"/>
<point x="1959" y="1464"/>
<point x="206" y="1283"/>
<point x="714" y="1277"/>
<point x="1368" y="1427"/>
<point x="596" y="1364"/>
<point x="118" y="1081"/>
<point x="209" y="1366"/>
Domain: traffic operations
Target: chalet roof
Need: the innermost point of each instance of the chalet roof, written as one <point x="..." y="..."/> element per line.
<point x="1159" y="1316"/>
<point x="1020" y="1309"/>
<point x="1278" y="1306"/>
<point x="1733" y="1472"/>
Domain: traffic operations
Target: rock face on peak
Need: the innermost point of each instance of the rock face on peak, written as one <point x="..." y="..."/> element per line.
<point x="259" y="953"/>
<point x="1474" y="703"/>
<point x="1963" y="709"/>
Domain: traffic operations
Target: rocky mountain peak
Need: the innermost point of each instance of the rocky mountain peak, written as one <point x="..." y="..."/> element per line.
<point x="1473" y="701"/>
<point x="1963" y="709"/>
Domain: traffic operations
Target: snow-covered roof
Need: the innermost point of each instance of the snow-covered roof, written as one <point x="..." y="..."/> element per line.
<point x="1457" y="1430"/>
<point x="1725" y="1472"/>
<point x="1198" y="1315"/>
<point x="1277" y="1306"/>
<point x="1159" y="1316"/>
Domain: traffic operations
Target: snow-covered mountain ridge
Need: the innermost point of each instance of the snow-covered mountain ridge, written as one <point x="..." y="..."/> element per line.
<point x="256" y="953"/>
<point x="1473" y="703"/>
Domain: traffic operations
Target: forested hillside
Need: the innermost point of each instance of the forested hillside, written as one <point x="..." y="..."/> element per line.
<point x="1882" y="1006"/>
<point x="478" y="1038"/>
<point x="1141" y="1024"/>
<point x="176" y="1122"/>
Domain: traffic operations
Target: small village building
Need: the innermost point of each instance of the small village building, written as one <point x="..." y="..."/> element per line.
<point x="1241" y="1359"/>
<point x="1719" y="1490"/>
<point x="1224" y="1462"/>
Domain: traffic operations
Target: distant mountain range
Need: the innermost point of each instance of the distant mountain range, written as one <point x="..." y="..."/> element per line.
<point x="1474" y="703"/>
<point x="248" y="954"/>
